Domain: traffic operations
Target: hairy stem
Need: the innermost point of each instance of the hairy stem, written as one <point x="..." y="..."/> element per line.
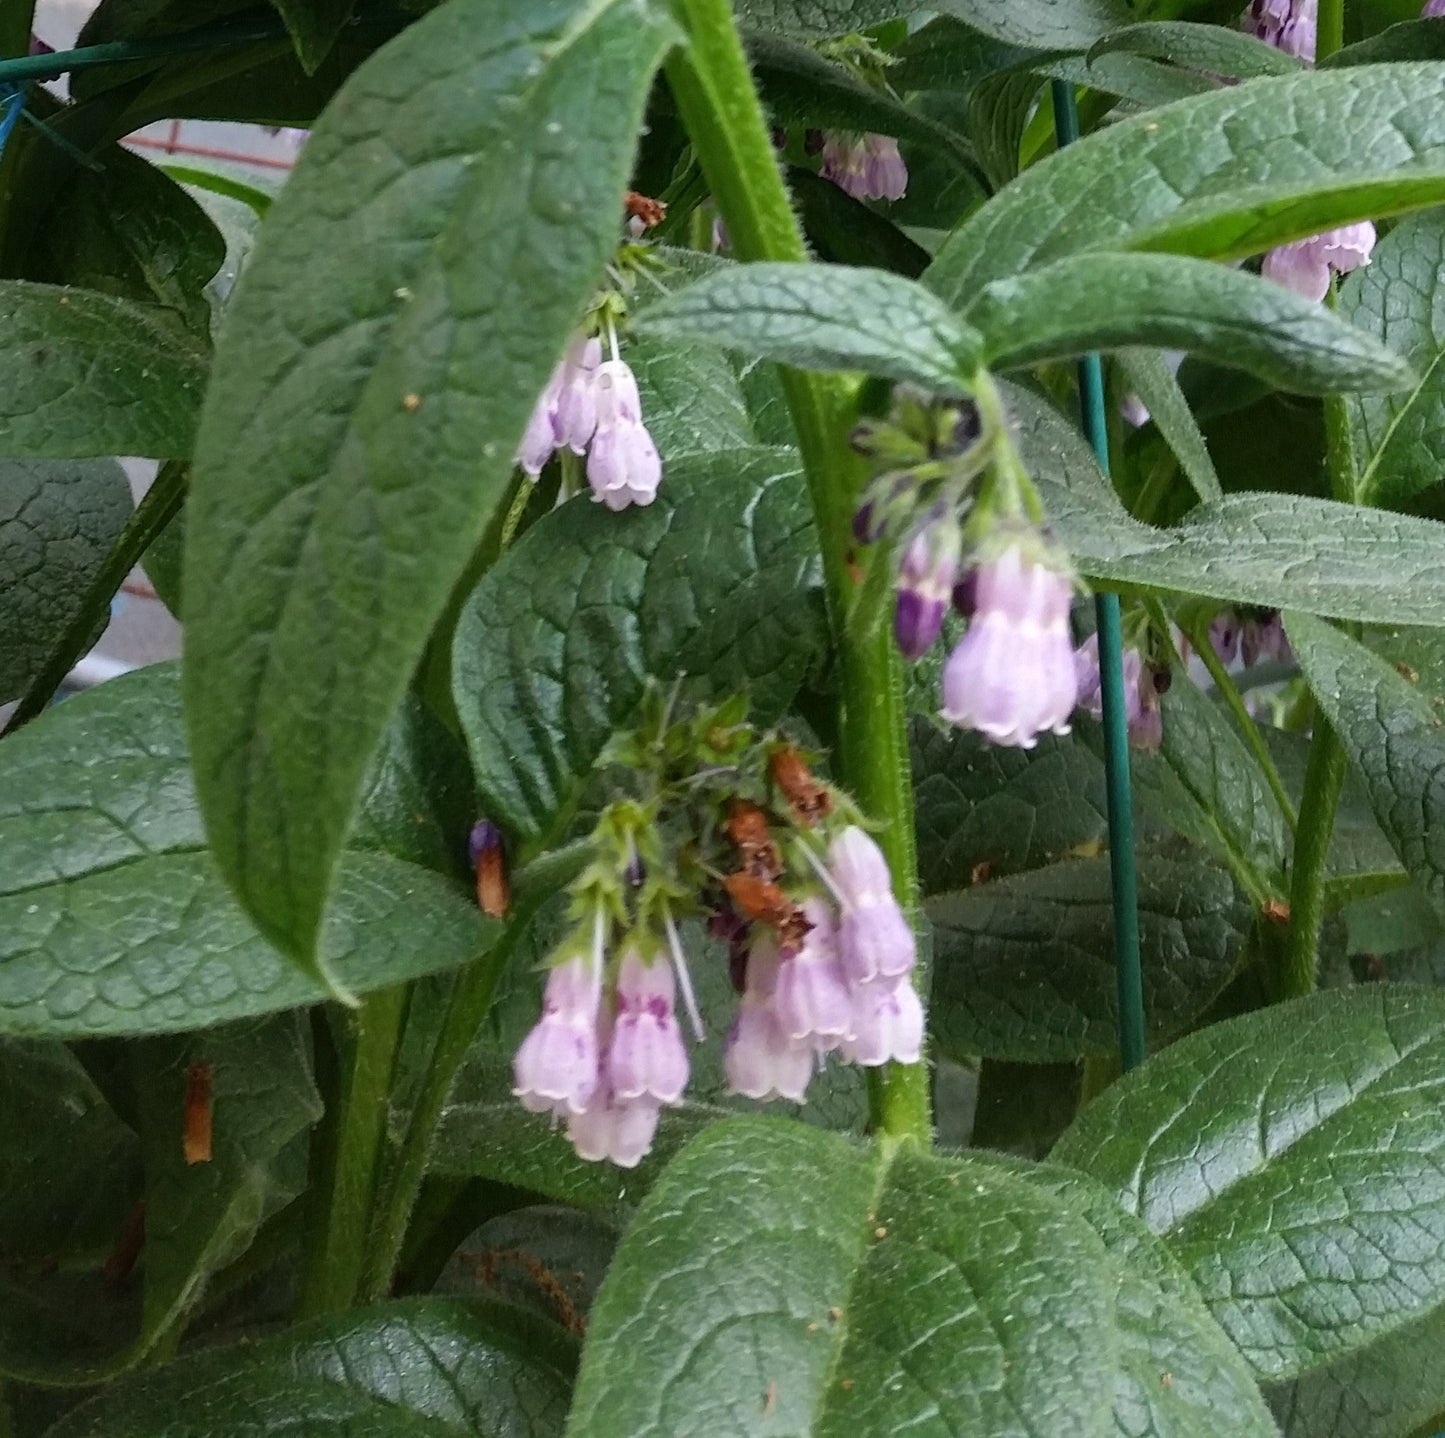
<point x="152" y="514"/>
<point x="1324" y="778"/>
<point x="719" y="105"/>
<point x="349" y="1146"/>
<point x="1331" y="29"/>
<point x="471" y="998"/>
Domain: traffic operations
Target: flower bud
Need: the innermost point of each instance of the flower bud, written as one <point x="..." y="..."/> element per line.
<point x="926" y="578"/>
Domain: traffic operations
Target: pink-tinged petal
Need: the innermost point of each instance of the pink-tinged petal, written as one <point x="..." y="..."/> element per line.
<point x="887" y="1025"/>
<point x="615" y="388"/>
<point x="1299" y="267"/>
<point x="760" y="1061"/>
<point x="612" y="1130"/>
<point x="646" y="1057"/>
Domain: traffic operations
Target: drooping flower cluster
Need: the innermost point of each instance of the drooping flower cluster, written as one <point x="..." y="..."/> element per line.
<point x="821" y="953"/>
<point x="1305" y="266"/>
<point x="868" y="167"/>
<point x="1249" y="634"/>
<point x="1012" y="676"/>
<point x="594" y="402"/>
<point x="1145" y="685"/>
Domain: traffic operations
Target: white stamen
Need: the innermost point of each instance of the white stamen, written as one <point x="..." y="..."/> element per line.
<point x="684" y="979"/>
<point x="822" y="872"/>
<point x="612" y="336"/>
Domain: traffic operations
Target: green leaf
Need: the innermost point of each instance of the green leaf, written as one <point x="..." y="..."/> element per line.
<point x="113" y="919"/>
<point x="818" y="19"/>
<point x="782" y="1280"/>
<point x="1205" y="783"/>
<point x="1178" y="1373"/>
<point x="71" y="1167"/>
<point x="421" y="1368"/>
<point x="1209" y="177"/>
<point x="1393" y="736"/>
<point x="1040" y="24"/>
<point x="1103" y="302"/>
<point x="1024" y="966"/>
<point x="131" y="232"/>
<point x="717" y="581"/>
<point x="976" y="803"/>
<point x="1292" y="1159"/>
<point x="1384" y="1390"/>
<point x="691" y="398"/>
<point x="201" y="1216"/>
<point x="1409" y="40"/>
<point x="1150" y="379"/>
<point x="364" y="414"/>
<point x="314" y="26"/>
<point x="999" y="109"/>
<point x="1214" y="49"/>
<point x="823" y="317"/>
<point x="843" y="231"/>
<point x="87" y="375"/>
<point x="58" y="521"/>
<point x="1398" y="440"/>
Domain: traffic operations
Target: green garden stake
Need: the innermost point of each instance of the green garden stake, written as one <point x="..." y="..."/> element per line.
<point x="1111" y="686"/>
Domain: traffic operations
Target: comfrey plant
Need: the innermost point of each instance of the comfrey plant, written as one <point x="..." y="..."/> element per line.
<point x="803" y="790"/>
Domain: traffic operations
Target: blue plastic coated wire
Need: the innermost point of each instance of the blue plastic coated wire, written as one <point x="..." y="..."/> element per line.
<point x="1111" y="685"/>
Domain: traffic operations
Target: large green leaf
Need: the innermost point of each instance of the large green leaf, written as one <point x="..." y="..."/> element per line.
<point x="113" y="919"/>
<point x="1024" y="967"/>
<point x="717" y="581"/>
<point x="824" y="317"/>
<point x="782" y="1281"/>
<point x="1392" y="733"/>
<point x="360" y="430"/>
<point x="1151" y="380"/>
<point x="691" y="398"/>
<point x="1214" y="49"/>
<point x="58" y="521"/>
<point x="976" y="803"/>
<point x="1294" y="1159"/>
<point x="421" y="1368"/>
<point x="1208" y="176"/>
<point x="1398" y="440"/>
<point x="314" y="25"/>
<point x="1102" y="302"/>
<point x="818" y="19"/>
<point x="83" y="374"/>
<point x="1040" y="24"/>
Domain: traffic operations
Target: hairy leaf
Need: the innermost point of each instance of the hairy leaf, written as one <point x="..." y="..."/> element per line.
<point x="113" y="919"/>
<point x="1154" y="384"/>
<point x="716" y="581"/>
<point x="1210" y="177"/>
<point x="824" y="317"/>
<point x="1214" y="49"/>
<point x="1040" y="24"/>
<point x="83" y="374"/>
<point x="1294" y="1160"/>
<point x="58" y="520"/>
<point x="420" y="1368"/>
<point x="1398" y="439"/>
<point x="1024" y="967"/>
<point x="1102" y="302"/>
<point x="463" y="188"/>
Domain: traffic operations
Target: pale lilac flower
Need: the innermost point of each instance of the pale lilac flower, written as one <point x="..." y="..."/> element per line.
<point x="613" y="1130"/>
<point x="575" y="417"/>
<point x="1091" y="696"/>
<point x="539" y="441"/>
<point x="1305" y="265"/>
<point x="887" y="1025"/>
<point x="759" y="1059"/>
<point x="1147" y="731"/>
<point x="645" y="1055"/>
<point x="1288" y="25"/>
<point x="811" y="998"/>
<point x="1012" y="675"/>
<point x="1433" y="9"/>
<point x="721" y="239"/>
<point x="868" y="167"/>
<point x="1133" y="410"/>
<point x="1224" y="635"/>
<point x="926" y="576"/>
<point x="623" y="467"/>
<point x="874" y="938"/>
<point x="556" y="1068"/>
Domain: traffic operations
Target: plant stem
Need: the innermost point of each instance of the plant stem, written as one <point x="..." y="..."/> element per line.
<point x="348" y="1147"/>
<point x="714" y="91"/>
<point x="1224" y="683"/>
<point x="470" y="1001"/>
<point x="1324" y="777"/>
<point x="17" y="19"/>
<point x="1331" y="29"/>
<point x="152" y="514"/>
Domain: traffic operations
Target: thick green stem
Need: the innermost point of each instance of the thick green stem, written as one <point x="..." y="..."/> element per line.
<point x="1324" y="777"/>
<point x="1224" y="683"/>
<point x="714" y="90"/>
<point x="17" y="17"/>
<point x="348" y="1147"/>
<point x="471" y="998"/>
<point x="153" y="513"/>
<point x="1331" y="29"/>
